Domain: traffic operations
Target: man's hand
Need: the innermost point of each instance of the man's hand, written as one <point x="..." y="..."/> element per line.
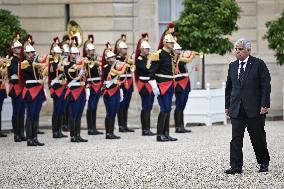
<point x="227" y="112"/>
<point x="263" y="110"/>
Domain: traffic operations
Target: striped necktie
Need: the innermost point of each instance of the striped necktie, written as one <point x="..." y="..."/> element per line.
<point x="242" y="72"/>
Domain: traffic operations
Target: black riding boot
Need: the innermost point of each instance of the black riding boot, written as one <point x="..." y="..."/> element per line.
<point x="35" y="133"/>
<point x="21" y="125"/>
<point x="125" y="119"/>
<point x="94" y="119"/>
<point x="30" y="141"/>
<point x="182" y="123"/>
<point x="120" y="120"/>
<point x="71" y="125"/>
<point x="59" y="127"/>
<point x="16" y="128"/>
<point x="167" y="128"/>
<point x="38" y="131"/>
<point x="78" y="131"/>
<point x="65" y="125"/>
<point x="54" y="123"/>
<point x="145" y="121"/>
<point x="160" y="127"/>
<point x="89" y="122"/>
<point x="148" y="118"/>
<point x="177" y="117"/>
<point x="109" y="123"/>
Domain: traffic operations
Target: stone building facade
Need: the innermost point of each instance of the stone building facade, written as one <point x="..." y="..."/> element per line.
<point x="107" y="19"/>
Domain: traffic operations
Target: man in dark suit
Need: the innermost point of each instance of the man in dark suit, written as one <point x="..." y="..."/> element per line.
<point x="247" y="101"/>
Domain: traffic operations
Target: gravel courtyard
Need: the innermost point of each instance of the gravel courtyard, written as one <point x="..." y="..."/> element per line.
<point x="196" y="160"/>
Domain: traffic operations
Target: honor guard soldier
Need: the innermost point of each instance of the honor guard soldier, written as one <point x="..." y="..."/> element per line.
<point x="57" y="87"/>
<point x="76" y="94"/>
<point x="182" y="85"/>
<point x="3" y="74"/>
<point x="126" y="83"/>
<point x="93" y="84"/>
<point x="33" y="69"/>
<point x="65" y="46"/>
<point x="162" y="82"/>
<point x="15" y="89"/>
<point x="112" y="94"/>
<point x="29" y="39"/>
<point x="142" y="77"/>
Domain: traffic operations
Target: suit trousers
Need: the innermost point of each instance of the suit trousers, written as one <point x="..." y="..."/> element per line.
<point x="255" y="128"/>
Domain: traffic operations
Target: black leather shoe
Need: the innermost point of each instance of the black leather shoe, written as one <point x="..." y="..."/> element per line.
<point x="94" y="132"/>
<point x="81" y="139"/>
<point x="162" y="138"/>
<point x="40" y="132"/>
<point x="234" y="170"/>
<point x="74" y="139"/>
<point x="187" y="130"/>
<point x="2" y="134"/>
<point x="55" y="135"/>
<point x="129" y="130"/>
<point x="23" y="138"/>
<point x="31" y="143"/>
<point x="98" y="132"/>
<point x="121" y="129"/>
<point x="17" y="138"/>
<point x="37" y="142"/>
<point x="91" y="132"/>
<point x="147" y="133"/>
<point x="171" y="138"/>
<point x="182" y="130"/>
<point x="61" y="135"/>
<point x="112" y="136"/>
<point x="263" y="168"/>
<point x="125" y="130"/>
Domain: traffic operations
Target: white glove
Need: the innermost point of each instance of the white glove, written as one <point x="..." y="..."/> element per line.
<point x="121" y="95"/>
<point x="155" y="87"/>
<point x="87" y="94"/>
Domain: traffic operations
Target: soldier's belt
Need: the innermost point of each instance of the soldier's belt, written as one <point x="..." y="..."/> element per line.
<point x="54" y="81"/>
<point x="14" y="76"/>
<point x="110" y="82"/>
<point x="181" y="75"/>
<point x="165" y="76"/>
<point x="76" y="84"/>
<point x="125" y="75"/>
<point x="32" y="81"/>
<point x="94" y="79"/>
<point x="144" y="78"/>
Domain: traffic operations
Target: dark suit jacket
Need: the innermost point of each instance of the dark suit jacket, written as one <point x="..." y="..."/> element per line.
<point x="253" y="92"/>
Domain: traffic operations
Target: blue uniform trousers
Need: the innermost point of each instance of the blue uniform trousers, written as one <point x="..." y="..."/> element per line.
<point x="76" y="107"/>
<point x="34" y="107"/>
<point x="59" y="105"/>
<point x="165" y="101"/>
<point x="181" y="99"/>
<point x="112" y="104"/>
<point x="93" y="101"/>
<point x="147" y="102"/>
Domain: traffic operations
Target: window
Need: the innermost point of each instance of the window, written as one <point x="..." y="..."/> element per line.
<point x="169" y="10"/>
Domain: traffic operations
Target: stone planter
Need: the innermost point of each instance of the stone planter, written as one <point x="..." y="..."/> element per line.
<point x="206" y="106"/>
